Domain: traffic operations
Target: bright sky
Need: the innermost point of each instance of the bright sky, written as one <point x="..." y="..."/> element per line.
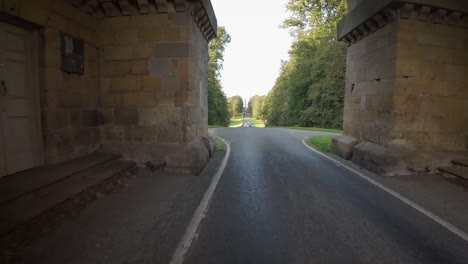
<point x="252" y="60"/>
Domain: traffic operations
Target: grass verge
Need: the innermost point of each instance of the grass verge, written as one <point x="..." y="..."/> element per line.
<point x="236" y="122"/>
<point x="322" y="143"/>
<point x="256" y="122"/>
<point x="214" y="126"/>
<point x="220" y="146"/>
<point x="316" y="129"/>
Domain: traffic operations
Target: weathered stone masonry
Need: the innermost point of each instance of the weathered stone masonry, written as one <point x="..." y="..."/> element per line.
<point x="144" y="88"/>
<point x="406" y="102"/>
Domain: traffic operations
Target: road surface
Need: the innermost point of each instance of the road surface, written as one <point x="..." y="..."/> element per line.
<point x="279" y="202"/>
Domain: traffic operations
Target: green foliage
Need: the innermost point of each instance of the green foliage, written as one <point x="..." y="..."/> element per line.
<point x="256" y="122"/>
<point x="236" y="122"/>
<point x="220" y="146"/>
<point x="322" y="143"/>
<point x="255" y="106"/>
<point x="309" y="91"/>
<point x="331" y="130"/>
<point x="236" y="105"/>
<point x="316" y="17"/>
<point x="218" y="112"/>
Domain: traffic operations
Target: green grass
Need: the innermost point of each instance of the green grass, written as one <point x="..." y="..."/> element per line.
<point x="236" y="122"/>
<point x="256" y="122"/>
<point x="220" y="146"/>
<point x="214" y="126"/>
<point x="322" y="143"/>
<point x="316" y="129"/>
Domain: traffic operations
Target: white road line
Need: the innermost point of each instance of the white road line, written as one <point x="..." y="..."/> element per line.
<point x="191" y="231"/>
<point x="405" y="200"/>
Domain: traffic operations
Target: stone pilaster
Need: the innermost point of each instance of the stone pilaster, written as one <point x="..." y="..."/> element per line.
<point x="406" y="88"/>
<point x="154" y="83"/>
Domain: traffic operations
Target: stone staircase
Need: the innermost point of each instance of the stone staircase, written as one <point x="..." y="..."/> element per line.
<point x="27" y="194"/>
<point x="459" y="169"/>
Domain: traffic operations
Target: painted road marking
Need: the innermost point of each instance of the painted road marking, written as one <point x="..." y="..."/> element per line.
<point x="455" y="230"/>
<point x="191" y="232"/>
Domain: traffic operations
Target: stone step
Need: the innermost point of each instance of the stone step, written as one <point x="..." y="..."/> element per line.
<point x="32" y="204"/>
<point x="461" y="163"/>
<point x="24" y="182"/>
<point x="462" y="174"/>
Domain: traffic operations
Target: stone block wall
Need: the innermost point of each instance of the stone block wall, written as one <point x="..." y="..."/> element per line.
<point x="431" y="89"/>
<point x="143" y="93"/>
<point x="406" y="86"/>
<point x="370" y="76"/>
<point x="135" y="84"/>
<point x="153" y="84"/>
<point x="69" y="103"/>
<point x="197" y="97"/>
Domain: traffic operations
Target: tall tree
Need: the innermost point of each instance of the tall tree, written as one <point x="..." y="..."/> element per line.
<point x="236" y="105"/>
<point x="218" y="112"/>
<point x="310" y="88"/>
<point x="318" y="17"/>
<point x="255" y="106"/>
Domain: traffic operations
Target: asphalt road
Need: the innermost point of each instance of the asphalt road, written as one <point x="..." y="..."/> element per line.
<point x="278" y="202"/>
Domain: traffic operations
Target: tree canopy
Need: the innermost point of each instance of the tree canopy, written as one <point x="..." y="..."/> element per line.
<point x="310" y="88"/>
<point x="314" y="17"/>
<point x="255" y="106"/>
<point x="218" y="113"/>
<point x="236" y="105"/>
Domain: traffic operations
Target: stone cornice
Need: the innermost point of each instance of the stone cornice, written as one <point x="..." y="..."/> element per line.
<point x="201" y="10"/>
<point x="373" y="15"/>
<point x="204" y="15"/>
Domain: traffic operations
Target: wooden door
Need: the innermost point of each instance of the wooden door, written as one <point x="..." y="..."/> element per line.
<point x="3" y="170"/>
<point x="18" y="100"/>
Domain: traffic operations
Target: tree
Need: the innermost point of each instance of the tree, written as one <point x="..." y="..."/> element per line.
<point x="317" y="17"/>
<point x="236" y="105"/>
<point x="275" y="107"/>
<point x="310" y="88"/>
<point x="255" y="106"/>
<point x="218" y="113"/>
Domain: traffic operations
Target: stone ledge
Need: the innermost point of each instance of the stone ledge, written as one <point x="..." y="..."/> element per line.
<point x="343" y="146"/>
<point x="391" y="161"/>
<point x="190" y="158"/>
<point x="369" y="16"/>
<point x="379" y="159"/>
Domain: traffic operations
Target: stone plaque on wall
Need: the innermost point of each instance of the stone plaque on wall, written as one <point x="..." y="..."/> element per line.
<point x="72" y="54"/>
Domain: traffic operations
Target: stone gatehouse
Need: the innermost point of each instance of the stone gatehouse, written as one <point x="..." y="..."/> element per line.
<point x="406" y="99"/>
<point x="121" y="75"/>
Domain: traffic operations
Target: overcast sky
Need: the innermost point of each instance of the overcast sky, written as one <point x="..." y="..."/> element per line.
<point x="252" y="60"/>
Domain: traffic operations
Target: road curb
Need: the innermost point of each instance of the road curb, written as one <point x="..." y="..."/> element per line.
<point x="452" y="228"/>
<point x="191" y="231"/>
